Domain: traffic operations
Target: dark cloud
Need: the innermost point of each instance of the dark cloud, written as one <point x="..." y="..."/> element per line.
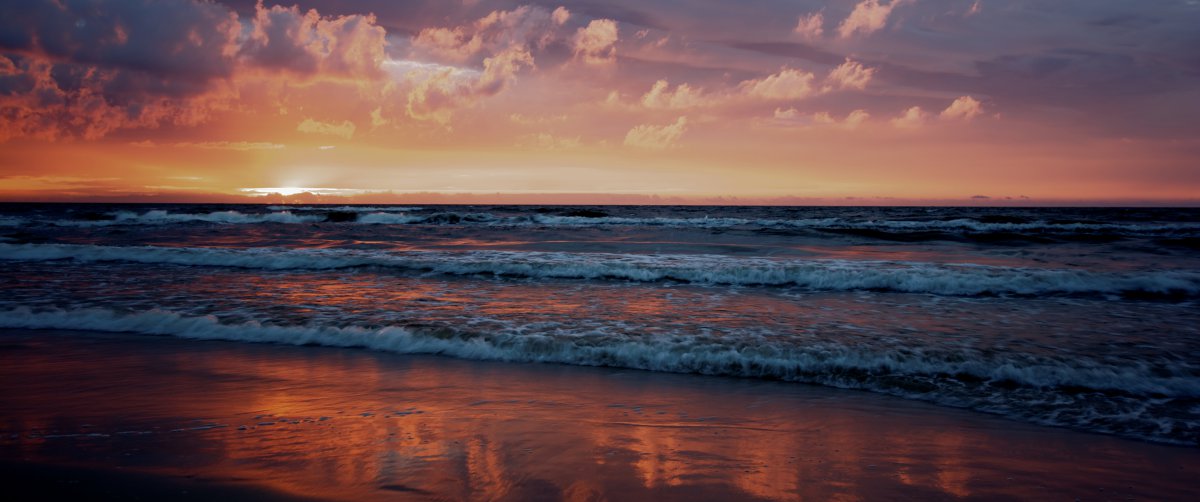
<point x="82" y="68"/>
<point x="176" y="38"/>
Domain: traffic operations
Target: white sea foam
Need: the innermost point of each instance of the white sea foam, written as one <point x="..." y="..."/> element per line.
<point x="956" y="225"/>
<point x="348" y="209"/>
<point x="400" y="215"/>
<point x="826" y="275"/>
<point x="749" y="356"/>
<point x="954" y="376"/>
<point x="162" y="217"/>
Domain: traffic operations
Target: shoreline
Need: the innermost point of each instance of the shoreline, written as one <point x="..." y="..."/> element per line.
<point x="286" y="422"/>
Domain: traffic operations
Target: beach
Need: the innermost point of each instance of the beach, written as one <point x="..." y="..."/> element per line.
<point x="112" y="415"/>
<point x="622" y="250"/>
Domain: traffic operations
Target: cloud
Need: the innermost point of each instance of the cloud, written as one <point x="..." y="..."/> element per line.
<point x="560" y="15"/>
<point x="518" y="118"/>
<point x="849" y="75"/>
<point x="502" y="42"/>
<point x="656" y="137"/>
<point x="241" y="146"/>
<point x="976" y="8"/>
<point x="525" y="26"/>
<point x="963" y="108"/>
<point x="787" y="84"/>
<point x="811" y="26"/>
<point x="596" y="42"/>
<point x="867" y="17"/>
<point x="130" y="36"/>
<point x="439" y="90"/>
<point x="547" y="141"/>
<point x="855" y="119"/>
<point x="912" y="118"/>
<point x="49" y="101"/>
<point x="453" y="44"/>
<point x="305" y="43"/>
<point x="788" y="114"/>
<point x="791" y="84"/>
<point x="661" y="96"/>
<point x="377" y="118"/>
<point x="345" y="129"/>
<point x="74" y="70"/>
<point x="792" y="116"/>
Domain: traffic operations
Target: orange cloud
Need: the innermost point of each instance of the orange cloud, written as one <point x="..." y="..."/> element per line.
<point x="344" y="129"/>
<point x="867" y="17"/>
<point x="661" y="96"/>
<point x="792" y="116"/>
<point x="963" y="108"/>
<point x="596" y="42"/>
<point x="549" y="142"/>
<point x="788" y="83"/>
<point x="912" y="118"/>
<point x="525" y="26"/>
<point x="656" y="137"/>
<point x="440" y="90"/>
<point x="849" y="75"/>
<point x="127" y="80"/>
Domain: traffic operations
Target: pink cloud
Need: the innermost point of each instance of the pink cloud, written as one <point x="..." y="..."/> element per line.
<point x="524" y="26"/>
<point x="810" y="26"/>
<point x="438" y="91"/>
<point x="912" y="118"/>
<point x="596" y="42"/>
<point x="661" y="95"/>
<point x="849" y="75"/>
<point x="963" y="108"/>
<point x="867" y="17"/>
<point x="560" y="15"/>
<point x="794" y="117"/>
<point x="788" y="83"/>
<point x="305" y="43"/>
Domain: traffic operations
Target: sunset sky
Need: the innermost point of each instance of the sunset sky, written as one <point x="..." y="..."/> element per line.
<point x="601" y="101"/>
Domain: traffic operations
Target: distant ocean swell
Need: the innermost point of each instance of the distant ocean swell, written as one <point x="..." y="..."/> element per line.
<point x="1076" y="392"/>
<point x="413" y="216"/>
<point x="820" y="275"/>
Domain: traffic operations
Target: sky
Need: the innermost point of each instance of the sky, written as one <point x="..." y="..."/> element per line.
<point x="618" y="101"/>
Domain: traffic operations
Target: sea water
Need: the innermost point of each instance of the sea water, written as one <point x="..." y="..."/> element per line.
<point x="1084" y="318"/>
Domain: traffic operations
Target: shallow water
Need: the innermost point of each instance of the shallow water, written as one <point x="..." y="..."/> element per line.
<point x="1083" y="318"/>
<point x="361" y="425"/>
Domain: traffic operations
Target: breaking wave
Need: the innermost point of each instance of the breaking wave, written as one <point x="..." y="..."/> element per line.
<point x="821" y="275"/>
<point x="384" y="215"/>
<point x="348" y="209"/>
<point x="1076" y="392"/>
<point x="163" y="217"/>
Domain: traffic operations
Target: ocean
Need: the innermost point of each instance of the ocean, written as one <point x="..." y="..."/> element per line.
<point x="1083" y="318"/>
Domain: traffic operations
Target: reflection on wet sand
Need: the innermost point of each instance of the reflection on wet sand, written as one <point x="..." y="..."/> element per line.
<point x="356" y="425"/>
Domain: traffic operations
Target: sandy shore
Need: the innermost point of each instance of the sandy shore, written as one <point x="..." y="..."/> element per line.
<point x="105" y="416"/>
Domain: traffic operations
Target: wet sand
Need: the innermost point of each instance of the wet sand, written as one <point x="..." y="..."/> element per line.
<point x="112" y="416"/>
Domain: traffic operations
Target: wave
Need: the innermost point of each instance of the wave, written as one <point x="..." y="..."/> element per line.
<point x="1083" y="393"/>
<point x="874" y="228"/>
<point x="347" y="209"/>
<point x="162" y="217"/>
<point x="960" y="225"/>
<point x="820" y="275"/>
